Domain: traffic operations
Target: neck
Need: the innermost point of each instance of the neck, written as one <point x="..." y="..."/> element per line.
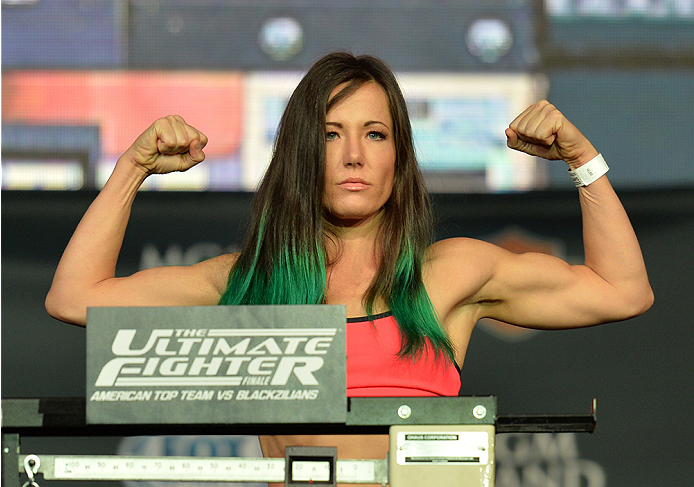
<point x="356" y="229"/>
<point x="348" y="240"/>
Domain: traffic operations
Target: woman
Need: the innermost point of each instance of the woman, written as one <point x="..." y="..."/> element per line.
<point x="342" y="217"/>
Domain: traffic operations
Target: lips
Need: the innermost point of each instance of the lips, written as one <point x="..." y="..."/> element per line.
<point x="353" y="184"/>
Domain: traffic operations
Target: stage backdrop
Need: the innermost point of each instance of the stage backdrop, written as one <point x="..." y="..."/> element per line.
<point x="640" y="370"/>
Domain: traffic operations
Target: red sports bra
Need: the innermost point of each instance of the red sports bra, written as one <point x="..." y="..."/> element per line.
<point x="375" y="370"/>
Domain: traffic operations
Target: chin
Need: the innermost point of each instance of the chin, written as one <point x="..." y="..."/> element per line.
<point x="354" y="209"/>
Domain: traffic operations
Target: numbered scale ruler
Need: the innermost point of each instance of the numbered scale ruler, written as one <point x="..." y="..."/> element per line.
<point x="97" y="467"/>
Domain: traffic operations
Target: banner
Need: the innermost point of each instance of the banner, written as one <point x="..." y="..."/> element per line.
<point x="216" y="365"/>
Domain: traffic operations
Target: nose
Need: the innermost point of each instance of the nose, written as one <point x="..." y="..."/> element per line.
<point x="353" y="152"/>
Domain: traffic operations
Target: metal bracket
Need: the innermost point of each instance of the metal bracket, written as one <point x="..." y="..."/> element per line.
<point x="10" y="459"/>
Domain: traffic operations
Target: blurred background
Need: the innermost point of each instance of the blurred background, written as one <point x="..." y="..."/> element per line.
<point x="81" y="79"/>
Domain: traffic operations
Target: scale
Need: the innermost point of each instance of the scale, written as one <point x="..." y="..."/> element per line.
<point x="456" y="449"/>
<point x="201" y="371"/>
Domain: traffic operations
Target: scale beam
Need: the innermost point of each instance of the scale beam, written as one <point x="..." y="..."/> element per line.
<point x="65" y="416"/>
<point x="199" y="469"/>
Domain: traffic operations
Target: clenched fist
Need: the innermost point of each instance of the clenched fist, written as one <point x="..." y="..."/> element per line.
<point x="168" y="145"/>
<point x="543" y="131"/>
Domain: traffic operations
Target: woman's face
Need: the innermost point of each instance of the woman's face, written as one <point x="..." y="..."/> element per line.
<point x="360" y="155"/>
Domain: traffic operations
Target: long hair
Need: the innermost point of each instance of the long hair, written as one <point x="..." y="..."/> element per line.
<point x="283" y="260"/>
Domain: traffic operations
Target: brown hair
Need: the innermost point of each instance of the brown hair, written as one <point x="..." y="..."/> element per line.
<point x="283" y="259"/>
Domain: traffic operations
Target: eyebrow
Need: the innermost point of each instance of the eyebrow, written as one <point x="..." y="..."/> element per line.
<point x="366" y="124"/>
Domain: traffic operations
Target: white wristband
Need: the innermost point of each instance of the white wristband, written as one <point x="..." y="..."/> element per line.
<point x="589" y="172"/>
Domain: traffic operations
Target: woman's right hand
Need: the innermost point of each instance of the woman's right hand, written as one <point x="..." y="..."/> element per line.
<point x="168" y="145"/>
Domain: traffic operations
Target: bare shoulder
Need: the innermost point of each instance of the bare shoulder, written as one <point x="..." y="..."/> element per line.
<point x="462" y="253"/>
<point x="454" y="248"/>
<point x="215" y="270"/>
<point x="456" y="269"/>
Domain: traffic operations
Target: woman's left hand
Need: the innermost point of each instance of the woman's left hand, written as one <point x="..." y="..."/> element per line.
<point x="543" y="131"/>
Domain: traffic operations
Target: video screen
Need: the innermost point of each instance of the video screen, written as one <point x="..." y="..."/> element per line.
<point x="638" y="29"/>
<point x="458" y="123"/>
<point x="81" y="80"/>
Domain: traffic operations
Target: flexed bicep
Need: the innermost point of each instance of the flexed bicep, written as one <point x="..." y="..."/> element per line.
<point x="86" y="272"/>
<point x="531" y="289"/>
<point x="537" y="290"/>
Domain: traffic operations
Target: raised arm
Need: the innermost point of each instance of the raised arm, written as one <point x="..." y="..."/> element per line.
<point x="538" y="290"/>
<point x="86" y="273"/>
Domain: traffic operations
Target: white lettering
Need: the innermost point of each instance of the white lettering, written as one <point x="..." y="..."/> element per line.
<point x="162" y="347"/>
<point x="249" y="380"/>
<point x="206" y="346"/>
<point x="270" y="345"/>
<point x="196" y="395"/>
<point x="318" y="346"/>
<point x="165" y="395"/>
<point x="124" y="339"/>
<point x="260" y="365"/>
<point x="225" y="395"/>
<point x="173" y="366"/>
<point x="113" y="396"/>
<point x="189" y="352"/>
<point x="187" y="345"/>
<point x="223" y="348"/>
<point x="302" y="367"/>
<point x="212" y="367"/>
<point x="277" y="395"/>
<point x="109" y="373"/>
<point x="293" y="345"/>
<point x="151" y="366"/>
<point x="190" y="332"/>
<point x="235" y="364"/>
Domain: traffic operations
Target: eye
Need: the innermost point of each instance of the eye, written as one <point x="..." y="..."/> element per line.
<point x="375" y="135"/>
<point x="331" y="136"/>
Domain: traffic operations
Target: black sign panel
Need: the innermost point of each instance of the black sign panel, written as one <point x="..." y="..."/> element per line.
<point x="216" y="364"/>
